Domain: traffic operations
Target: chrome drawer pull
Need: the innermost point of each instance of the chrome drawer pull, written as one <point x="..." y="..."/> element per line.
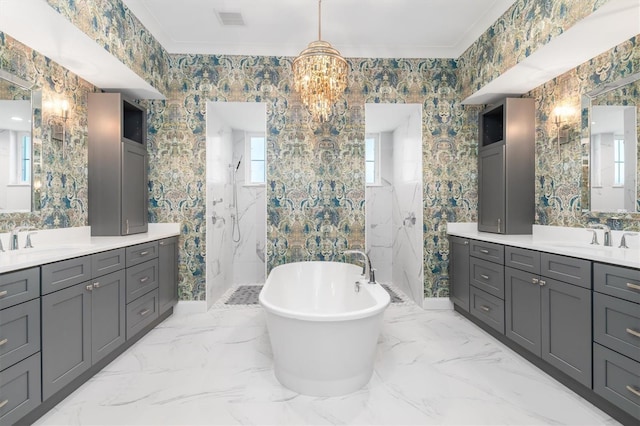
<point x="633" y="286"/>
<point x="144" y="253"/>
<point x="485" y="308"/>
<point x="466" y="243"/>
<point x="633" y="332"/>
<point x="542" y="282"/>
<point x="484" y="251"/>
<point x="486" y="277"/>
<point x="96" y="285"/>
<point x="534" y="280"/>
<point x="633" y="390"/>
<point x="89" y="287"/>
<point x="3" y="403"/>
<point x="3" y="341"/>
<point x="143" y="313"/>
<point x="3" y="293"/>
<point x="162" y="243"/>
<point x="144" y="279"/>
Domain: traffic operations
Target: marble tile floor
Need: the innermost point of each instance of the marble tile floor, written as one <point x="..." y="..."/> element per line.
<point x="432" y="367"/>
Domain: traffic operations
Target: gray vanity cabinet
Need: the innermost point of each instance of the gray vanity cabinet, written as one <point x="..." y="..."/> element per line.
<point x="506" y="170"/>
<point x="117" y="165"/>
<point x="81" y="324"/>
<point x="66" y="336"/>
<point x="548" y="317"/>
<point x="616" y="336"/>
<point x="107" y="314"/>
<point x="168" y="273"/>
<point x="459" y="271"/>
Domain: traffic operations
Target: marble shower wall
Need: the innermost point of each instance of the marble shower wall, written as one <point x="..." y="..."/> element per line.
<point x="407" y="215"/>
<point x="249" y="251"/>
<point x="379" y="201"/>
<point x="219" y="254"/>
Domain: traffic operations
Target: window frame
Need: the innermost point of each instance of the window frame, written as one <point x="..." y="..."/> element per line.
<point x="377" y="181"/>
<point x="249" y="160"/>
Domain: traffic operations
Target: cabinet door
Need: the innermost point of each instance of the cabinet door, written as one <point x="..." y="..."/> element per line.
<point x="168" y="273"/>
<point x="107" y="314"/>
<point x="459" y="271"/>
<point x="66" y="336"/>
<point x="566" y="328"/>
<point x="135" y="194"/>
<point x="522" y="309"/>
<point x="491" y="189"/>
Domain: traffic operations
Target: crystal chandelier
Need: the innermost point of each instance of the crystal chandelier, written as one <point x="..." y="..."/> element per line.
<point x="320" y="75"/>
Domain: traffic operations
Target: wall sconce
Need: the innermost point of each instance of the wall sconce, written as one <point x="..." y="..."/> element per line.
<point x="562" y="116"/>
<point x="58" y="122"/>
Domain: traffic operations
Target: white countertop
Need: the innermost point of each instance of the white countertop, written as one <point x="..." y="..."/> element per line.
<point x="53" y="245"/>
<point x="574" y="242"/>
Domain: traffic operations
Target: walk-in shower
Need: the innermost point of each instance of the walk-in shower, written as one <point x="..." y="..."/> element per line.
<point x="236" y="202"/>
<point x="394" y="209"/>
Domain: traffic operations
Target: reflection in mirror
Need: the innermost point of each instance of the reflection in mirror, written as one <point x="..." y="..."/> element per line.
<point x="610" y="148"/>
<point x="17" y="104"/>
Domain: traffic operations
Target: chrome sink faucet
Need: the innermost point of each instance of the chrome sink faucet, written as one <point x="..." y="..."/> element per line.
<point x="607" y="233"/>
<point x="13" y="236"/>
<point x="366" y="267"/>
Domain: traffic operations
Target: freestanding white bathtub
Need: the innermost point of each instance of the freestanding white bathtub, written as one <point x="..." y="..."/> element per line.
<point x="323" y="332"/>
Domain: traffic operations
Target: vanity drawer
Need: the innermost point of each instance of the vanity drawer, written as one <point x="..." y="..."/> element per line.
<point x="616" y="324"/>
<point x="617" y="281"/>
<point x="487" y="251"/>
<point x="59" y="275"/>
<point x="141" y="313"/>
<point x="19" y="390"/>
<point x="523" y="259"/>
<point x="617" y="379"/>
<point x="141" y="253"/>
<point x="141" y="279"/>
<point x="487" y="308"/>
<point x="487" y="276"/>
<point x="566" y="269"/>
<point x="20" y="286"/>
<point x="19" y="332"/>
<point x="107" y="262"/>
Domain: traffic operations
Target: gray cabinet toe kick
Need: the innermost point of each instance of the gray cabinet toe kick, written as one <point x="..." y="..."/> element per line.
<point x="576" y="319"/>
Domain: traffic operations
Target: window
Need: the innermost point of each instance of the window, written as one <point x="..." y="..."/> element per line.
<point x="372" y="159"/>
<point x="618" y="162"/>
<point x="257" y="153"/>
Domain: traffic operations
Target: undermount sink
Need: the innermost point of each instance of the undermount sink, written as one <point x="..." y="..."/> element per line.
<point x="582" y="246"/>
<point x="43" y="250"/>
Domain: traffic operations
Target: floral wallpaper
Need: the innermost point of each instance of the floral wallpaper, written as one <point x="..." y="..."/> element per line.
<point x="526" y="26"/>
<point x="559" y="167"/>
<point x="119" y="32"/>
<point x="315" y="187"/>
<point x="315" y="175"/>
<point x="60" y="169"/>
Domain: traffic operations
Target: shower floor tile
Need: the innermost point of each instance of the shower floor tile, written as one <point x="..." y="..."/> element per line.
<point x="432" y="367"/>
<point x="248" y="295"/>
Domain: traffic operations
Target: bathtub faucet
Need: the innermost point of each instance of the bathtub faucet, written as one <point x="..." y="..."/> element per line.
<point x="366" y="267"/>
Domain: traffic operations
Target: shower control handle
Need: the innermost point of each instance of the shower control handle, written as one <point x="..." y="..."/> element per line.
<point x="217" y="201"/>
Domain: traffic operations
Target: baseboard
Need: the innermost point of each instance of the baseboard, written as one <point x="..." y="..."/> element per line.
<point x="190" y="307"/>
<point x="436" y="304"/>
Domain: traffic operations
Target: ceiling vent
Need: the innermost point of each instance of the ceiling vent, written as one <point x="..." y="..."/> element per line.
<point x="230" y="18"/>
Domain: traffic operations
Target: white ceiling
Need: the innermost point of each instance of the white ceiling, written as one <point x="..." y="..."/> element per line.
<point x="357" y="28"/>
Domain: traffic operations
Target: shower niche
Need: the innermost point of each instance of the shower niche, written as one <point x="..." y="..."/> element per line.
<point x="236" y="196"/>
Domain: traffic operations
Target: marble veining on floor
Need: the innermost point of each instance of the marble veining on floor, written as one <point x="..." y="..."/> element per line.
<point x="432" y="367"/>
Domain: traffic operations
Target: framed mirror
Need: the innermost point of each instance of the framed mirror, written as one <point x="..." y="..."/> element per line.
<point x="610" y="155"/>
<point x="19" y="165"/>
